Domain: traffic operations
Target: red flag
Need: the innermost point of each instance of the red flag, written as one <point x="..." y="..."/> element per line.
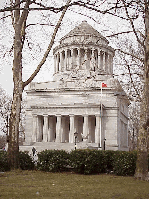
<point x="104" y="85"/>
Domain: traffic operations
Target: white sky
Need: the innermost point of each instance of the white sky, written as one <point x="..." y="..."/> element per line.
<point x="41" y="37"/>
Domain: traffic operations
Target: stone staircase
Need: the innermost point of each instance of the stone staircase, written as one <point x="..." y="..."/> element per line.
<point x="40" y="146"/>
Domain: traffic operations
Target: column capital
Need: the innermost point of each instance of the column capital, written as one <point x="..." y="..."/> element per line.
<point x="45" y="115"/>
<point x="71" y="115"/>
<point x="97" y="115"/>
<point x="58" y="115"/>
<point x="34" y="115"/>
<point x="85" y="115"/>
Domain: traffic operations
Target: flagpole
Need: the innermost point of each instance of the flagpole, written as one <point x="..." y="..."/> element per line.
<point x="100" y="136"/>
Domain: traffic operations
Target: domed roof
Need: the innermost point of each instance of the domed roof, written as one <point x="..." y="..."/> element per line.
<point x="84" y="29"/>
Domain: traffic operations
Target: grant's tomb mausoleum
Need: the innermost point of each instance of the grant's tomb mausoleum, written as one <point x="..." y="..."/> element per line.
<point x="83" y="97"/>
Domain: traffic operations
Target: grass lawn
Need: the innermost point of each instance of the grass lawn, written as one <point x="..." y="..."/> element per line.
<point x="36" y="184"/>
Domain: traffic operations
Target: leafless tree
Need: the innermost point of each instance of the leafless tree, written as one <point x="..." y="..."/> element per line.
<point x="19" y="12"/>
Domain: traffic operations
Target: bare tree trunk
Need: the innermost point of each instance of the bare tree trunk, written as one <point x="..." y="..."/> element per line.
<point x="142" y="166"/>
<point x="13" y="145"/>
<point x="143" y="136"/>
<point x="13" y="148"/>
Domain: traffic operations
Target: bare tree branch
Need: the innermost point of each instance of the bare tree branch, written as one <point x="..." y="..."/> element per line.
<point x="24" y="14"/>
<point x="130" y="31"/>
<point x="42" y="24"/>
<point x="132" y="25"/>
<point x="133" y="55"/>
<point x="12" y="16"/>
<point x="49" y="47"/>
<point x="12" y="7"/>
<point x="84" y="15"/>
<point x="50" y="8"/>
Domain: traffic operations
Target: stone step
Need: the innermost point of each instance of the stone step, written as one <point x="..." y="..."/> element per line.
<point x="40" y="146"/>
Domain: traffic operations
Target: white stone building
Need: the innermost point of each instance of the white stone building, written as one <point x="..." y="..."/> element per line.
<point x="77" y="100"/>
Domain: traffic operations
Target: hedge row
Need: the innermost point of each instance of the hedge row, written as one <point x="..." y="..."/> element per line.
<point x="88" y="161"/>
<point x="26" y="162"/>
<point x="81" y="161"/>
<point x="53" y="160"/>
<point x="3" y="161"/>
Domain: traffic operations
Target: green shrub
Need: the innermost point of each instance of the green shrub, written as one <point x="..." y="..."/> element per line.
<point x="94" y="161"/>
<point x="109" y="160"/>
<point x="53" y="160"/>
<point x="25" y="160"/>
<point x="82" y="161"/>
<point x="3" y="161"/>
<point x="88" y="161"/>
<point x="124" y="163"/>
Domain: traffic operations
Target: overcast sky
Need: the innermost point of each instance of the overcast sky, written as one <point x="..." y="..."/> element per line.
<point x="40" y="37"/>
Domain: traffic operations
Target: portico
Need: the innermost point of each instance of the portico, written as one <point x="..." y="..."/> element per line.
<point x="61" y="128"/>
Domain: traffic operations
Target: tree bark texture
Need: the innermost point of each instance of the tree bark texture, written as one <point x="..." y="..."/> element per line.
<point x="13" y="142"/>
<point x="142" y="166"/>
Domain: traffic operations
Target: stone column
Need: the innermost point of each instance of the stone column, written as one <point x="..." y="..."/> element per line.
<point x="57" y="62"/>
<point x="78" y="58"/>
<point x="86" y="58"/>
<point x="72" y="58"/>
<point x="61" y="62"/>
<point x="97" y="129"/>
<point x="45" y="129"/>
<point x="72" y="129"/>
<point x="92" y="60"/>
<point x="99" y="59"/>
<point x="76" y="124"/>
<point x="50" y="130"/>
<point x="108" y="63"/>
<point x="34" y="133"/>
<point x="38" y="130"/>
<point x="104" y="60"/>
<point x="65" y="61"/>
<point x="54" y="64"/>
<point x="85" y="128"/>
<point x="58" y="129"/>
<point x="90" y="129"/>
<point x="68" y="59"/>
<point x="111" y="64"/>
<point x="63" y="125"/>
